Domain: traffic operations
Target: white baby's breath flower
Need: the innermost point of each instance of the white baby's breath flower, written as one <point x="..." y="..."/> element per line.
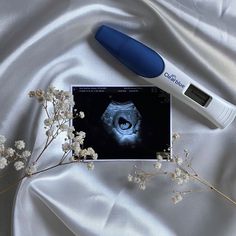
<point x="83" y="153"/>
<point x="66" y="147"/>
<point x="137" y="180"/>
<point x="3" y="162"/>
<point x="185" y="178"/>
<point x="19" y="165"/>
<point x="177" y="198"/>
<point x="186" y="152"/>
<point x="176" y="136"/>
<point x="2" y="148"/>
<point x="48" y="122"/>
<point x="157" y="165"/>
<point x="95" y="156"/>
<point x="90" y="165"/>
<point x="31" y="169"/>
<point x="179" y="160"/>
<point x="51" y="89"/>
<point x="20" y="144"/>
<point x="179" y="181"/>
<point x="81" y="134"/>
<point x="39" y="94"/>
<point x="2" y="139"/>
<point x="70" y="133"/>
<point x="130" y="178"/>
<point x="78" y="139"/>
<point x="178" y="172"/>
<point x="26" y="154"/>
<point x="92" y="153"/>
<point x="49" y="132"/>
<point x="64" y="127"/>
<point x="142" y="185"/>
<point x="68" y="115"/>
<point x="49" y="94"/>
<point x="10" y="152"/>
<point x="31" y="94"/>
<point x="81" y="114"/>
<point x="159" y="157"/>
<point x="77" y="151"/>
<point x="75" y="145"/>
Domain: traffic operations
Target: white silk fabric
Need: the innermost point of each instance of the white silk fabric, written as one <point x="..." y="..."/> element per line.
<point x="52" y="42"/>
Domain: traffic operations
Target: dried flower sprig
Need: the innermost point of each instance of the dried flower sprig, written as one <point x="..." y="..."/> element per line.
<point x="57" y="105"/>
<point x="17" y="154"/>
<point x="180" y="170"/>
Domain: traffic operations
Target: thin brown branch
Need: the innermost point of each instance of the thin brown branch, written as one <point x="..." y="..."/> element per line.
<point x="213" y="188"/>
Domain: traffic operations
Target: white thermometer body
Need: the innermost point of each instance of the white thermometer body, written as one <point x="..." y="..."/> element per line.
<point x="156" y="69"/>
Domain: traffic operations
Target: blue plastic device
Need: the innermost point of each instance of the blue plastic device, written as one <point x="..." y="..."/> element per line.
<point x="136" y="56"/>
<point x="147" y="63"/>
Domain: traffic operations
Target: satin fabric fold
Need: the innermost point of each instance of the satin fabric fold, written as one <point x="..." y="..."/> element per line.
<point x="52" y="42"/>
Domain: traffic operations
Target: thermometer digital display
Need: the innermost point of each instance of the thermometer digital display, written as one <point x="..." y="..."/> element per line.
<point x="162" y="73"/>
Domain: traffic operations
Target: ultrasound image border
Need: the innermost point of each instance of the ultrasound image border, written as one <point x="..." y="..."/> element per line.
<point x="127" y="86"/>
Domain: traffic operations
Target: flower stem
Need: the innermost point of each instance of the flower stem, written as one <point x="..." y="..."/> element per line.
<point x="52" y="167"/>
<point x="26" y="175"/>
<point x="209" y="185"/>
<point x="12" y="185"/>
<point x="45" y="147"/>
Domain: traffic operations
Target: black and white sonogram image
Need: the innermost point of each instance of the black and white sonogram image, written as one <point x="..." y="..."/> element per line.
<point x="124" y="122"/>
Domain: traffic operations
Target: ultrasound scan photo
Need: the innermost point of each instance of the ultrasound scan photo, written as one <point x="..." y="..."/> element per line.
<point x="124" y="123"/>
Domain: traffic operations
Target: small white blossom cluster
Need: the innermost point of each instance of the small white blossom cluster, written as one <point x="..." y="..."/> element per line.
<point x="181" y="174"/>
<point x="158" y="163"/>
<point x="74" y="143"/>
<point x="32" y="169"/>
<point x="175" y="136"/>
<point x="17" y="154"/>
<point x="138" y="178"/>
<point x="58" y="106"/>
<point x="57" y="121"/>
<point x="141" y="177"/>
<point x="178" y="197"/>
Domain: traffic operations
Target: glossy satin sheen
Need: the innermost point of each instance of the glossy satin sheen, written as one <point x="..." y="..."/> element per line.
<point x="52" y="42"/>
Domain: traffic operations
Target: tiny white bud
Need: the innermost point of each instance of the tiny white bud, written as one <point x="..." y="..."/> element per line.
<point x="66" y="147"/>
<point x="49" y="132"/>
<point x="10" y="152"/>
<point x="142" y="186"/>
<point x="81" y="114"/>
<point x="175" y="136"/>
<point x="3" y="162"/>
<point x="159" y="157"/>
<point x="180" y="181"/>
<point x="137" y="180"/>
<point x="31" y="169"/>
<point x="178" y="171"/>
<point x="157" y="165"/>
<point x="179" y="160"/>
<point x="48" y="122"/>
<point x="2" y="139"/>
<point x="19" y="165"/>
<point x="177" y="198"/>
<point x="20" y="144"/>
<point x="26" y="154"/>
<point x="130" y="178"/>
<point x="90" y="165"/>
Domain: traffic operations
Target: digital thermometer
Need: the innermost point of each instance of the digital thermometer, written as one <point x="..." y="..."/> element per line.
<point x="147" y="63"/>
